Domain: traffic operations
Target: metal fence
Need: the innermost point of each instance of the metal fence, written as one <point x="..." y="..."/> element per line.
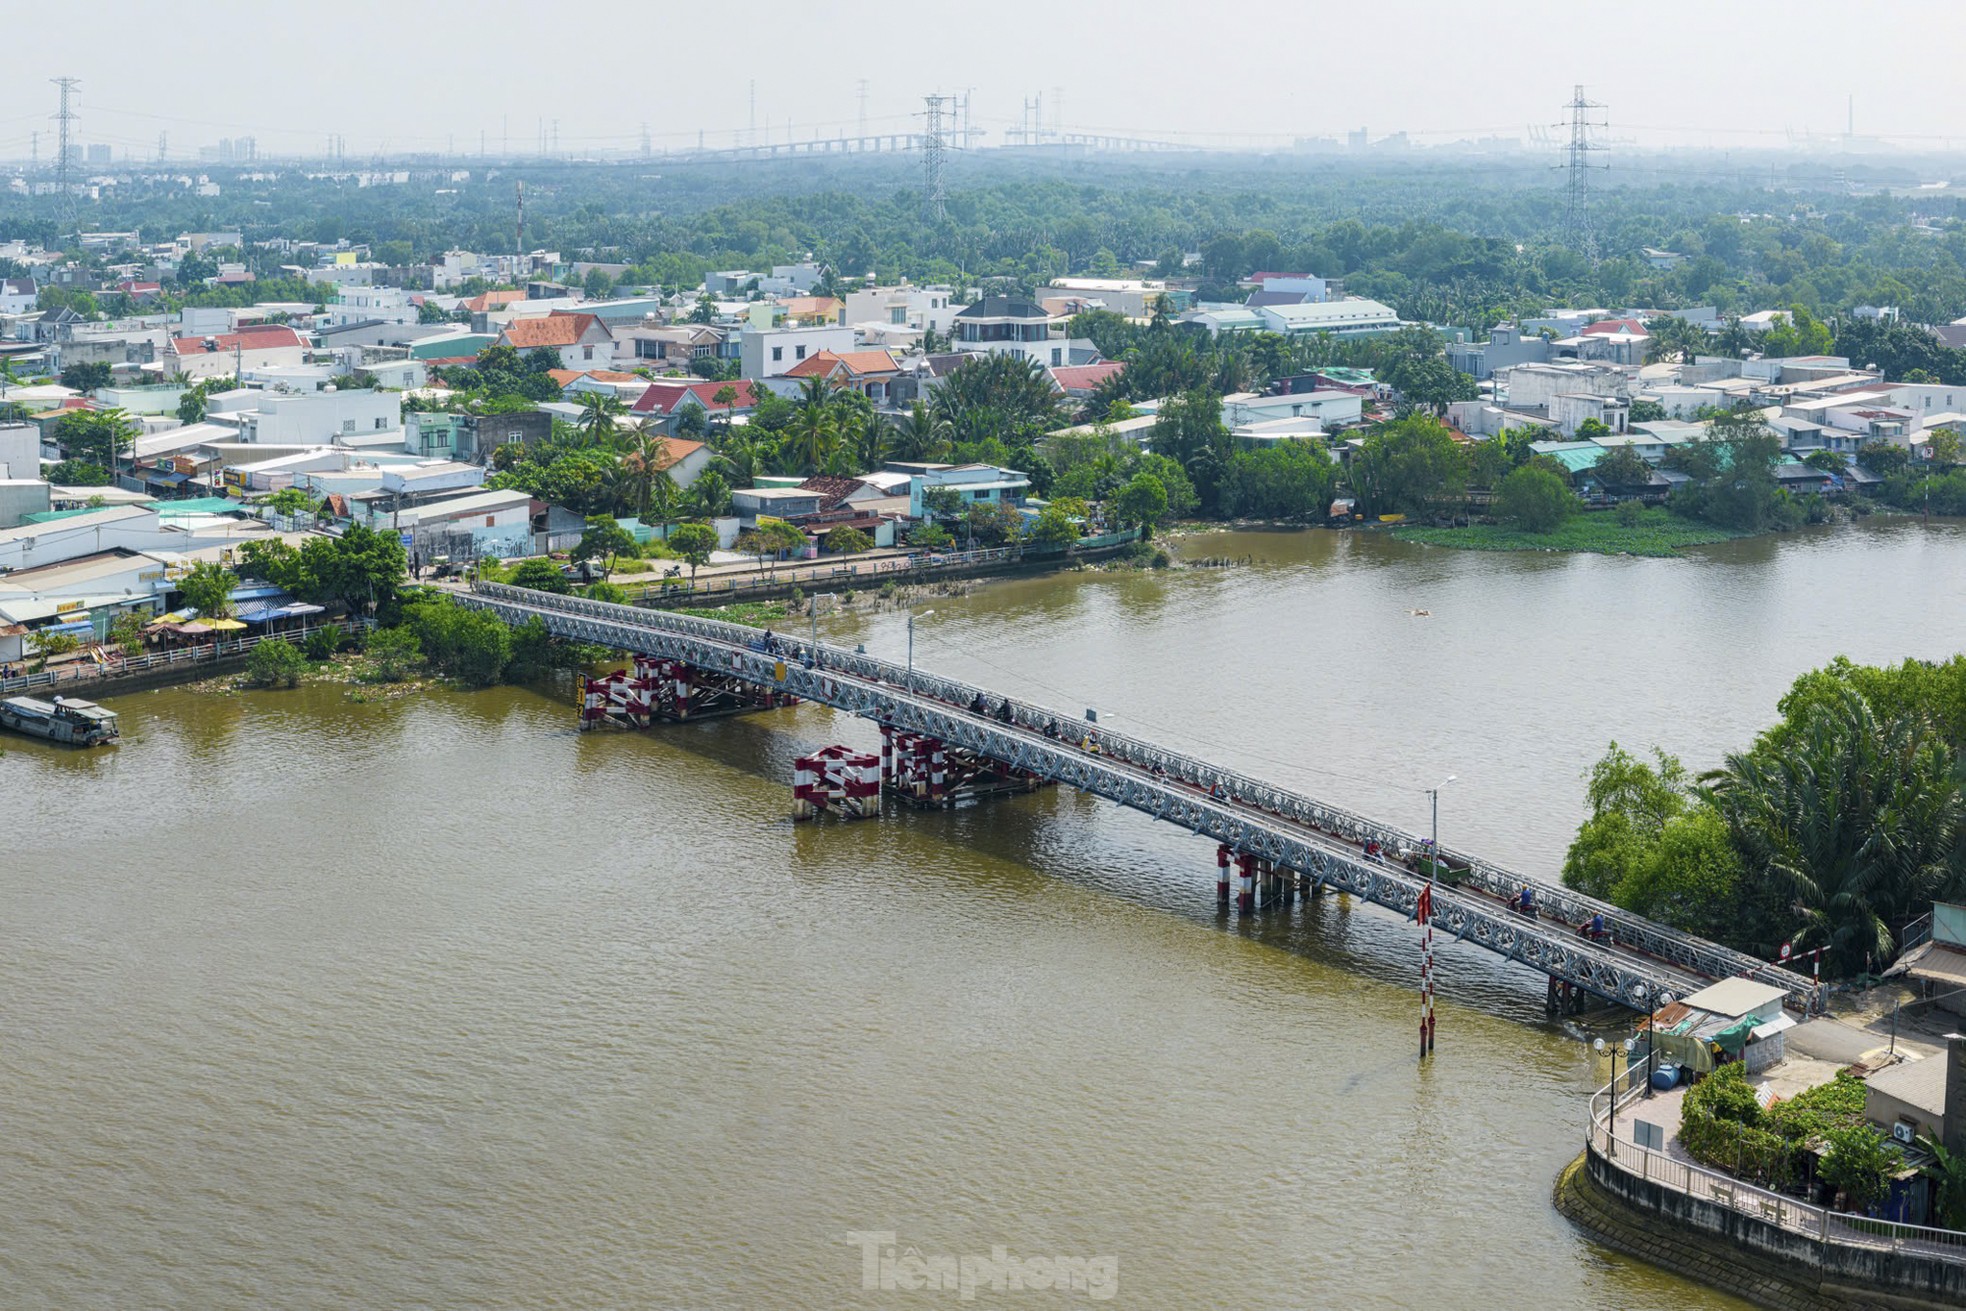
<point x="205" y="653"/>
<point x="1832" y="1228"/>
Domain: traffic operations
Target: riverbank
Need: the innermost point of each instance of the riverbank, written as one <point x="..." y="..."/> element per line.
<point x="1656" y="532"/>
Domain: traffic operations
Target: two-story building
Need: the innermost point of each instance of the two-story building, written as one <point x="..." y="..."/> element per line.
<point x="999" y="325"/>
<point x="974" y="484"/>
<point x="871" y="373"/>
<point x="229" y="354"/>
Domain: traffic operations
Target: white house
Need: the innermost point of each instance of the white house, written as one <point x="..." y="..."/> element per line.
<point x="1000" y="325"/>
<point x="229" y="354"/>
<point x="974" y="483"/>
<point x="1331" y="409"/>
<point x="582" y="341"/>
<point x="768" y="352"/>
<point x="17" y="295"/>
<point x="364" y="304"/>
<point x="293" y="418"/>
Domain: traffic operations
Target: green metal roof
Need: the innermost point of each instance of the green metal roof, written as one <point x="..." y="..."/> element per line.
<point x="1578" y="459"/>
<point x="198" y="505"/>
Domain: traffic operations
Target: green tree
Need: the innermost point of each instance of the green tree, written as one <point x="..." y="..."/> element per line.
<point x="291" y="501"/>
<point x="693" y="542"/>
<point x="208" y="589"/>
<point x="1630" y="802"/>
<point x="78" y="473"/>
<point x="1141" y="502"/>
<point x="1409" y="466"/>
<point x="273" y="663"/>
<point x="390" y="655"/>
<point x="472" y="646"/>
<point x="769" y="540"/>
<point x="1622" y="469"/>
<point x="603" y="539"/>
<point x="1859" y="1164"/>
<point x="846" y="540"/>
<point x="1054" y="527"/>
<point x="541" y="575"/>
<point x="87" y="377"/>
<point x="95" y="436"/>
<point x="1884" y="459"/>
<point x="1535" y="500"/>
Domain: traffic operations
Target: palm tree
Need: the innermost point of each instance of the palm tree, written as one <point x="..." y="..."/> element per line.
<point x="815" y="430"/>
<point x="876" y="434"/>
<point x="1850" y="817"/>
<point x="918" y="436"/>
<point x="645" y="462"/>
<point x="599" y="411"/>
<point x="707" y="497"/>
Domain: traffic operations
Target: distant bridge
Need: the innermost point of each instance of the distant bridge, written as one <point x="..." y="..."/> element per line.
<point x="1643" y="966"/>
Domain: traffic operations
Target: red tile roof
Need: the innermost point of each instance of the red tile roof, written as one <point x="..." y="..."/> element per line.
<point x="1085" y="377"/>
<point x="552" y="330"/>
<point x="675" y="450"/>
<point x="567" y="377"/>
<point x="1615" y="325"/>
<point x="858" y="364"/>
<point x="493" y="300"/>
<point x="250" y="337"/>
<point x="664" y="396"/>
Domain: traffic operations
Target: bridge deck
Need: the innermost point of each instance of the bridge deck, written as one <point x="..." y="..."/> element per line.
<point x="1642" y="966"/>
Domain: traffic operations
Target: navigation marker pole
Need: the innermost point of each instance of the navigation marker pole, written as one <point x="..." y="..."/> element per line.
<point x="1423" y="910"/>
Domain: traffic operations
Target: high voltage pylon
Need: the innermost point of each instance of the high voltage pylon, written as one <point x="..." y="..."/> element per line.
<point x="65" y="118"/>
<point x="1577" y="229"/>
<point x="933" y="208"/>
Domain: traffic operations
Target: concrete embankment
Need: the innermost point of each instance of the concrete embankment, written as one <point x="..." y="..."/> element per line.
<point x="1748" y="1272"/>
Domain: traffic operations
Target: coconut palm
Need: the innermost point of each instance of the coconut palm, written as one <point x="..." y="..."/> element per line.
<point x="642" y="466"/>
<point x="1851" y="818"/>
<point x="918" y="435"/>
<point x="599" y="413"/>
<point x="814" y="433"/>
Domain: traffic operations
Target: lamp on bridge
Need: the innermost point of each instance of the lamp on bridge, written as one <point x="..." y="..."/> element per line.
<point x="912" y="616"/>
<point x="1433" y="853"/>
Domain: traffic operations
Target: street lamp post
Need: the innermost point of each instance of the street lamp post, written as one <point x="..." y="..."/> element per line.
<point x="1433" y="852"/>
<point x="1612" y="1122"/>
<point x="912" y="616"/>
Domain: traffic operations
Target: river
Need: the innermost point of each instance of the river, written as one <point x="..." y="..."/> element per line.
<point x="435" y="1002"/>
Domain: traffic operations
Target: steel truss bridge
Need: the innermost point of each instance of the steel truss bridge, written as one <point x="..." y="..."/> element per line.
<point x="1642" y="966"/>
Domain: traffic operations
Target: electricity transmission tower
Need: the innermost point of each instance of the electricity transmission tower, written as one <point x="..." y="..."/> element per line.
<point x="65" y="118"/>
<point x="933" y="208"/>
<point x="1577" y="230"/>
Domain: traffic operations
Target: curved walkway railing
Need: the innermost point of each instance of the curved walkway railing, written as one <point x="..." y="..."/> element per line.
<point x="1724" y="1190"/>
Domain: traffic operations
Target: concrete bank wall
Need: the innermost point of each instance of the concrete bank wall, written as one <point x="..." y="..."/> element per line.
<point x="1742" y="1255"/>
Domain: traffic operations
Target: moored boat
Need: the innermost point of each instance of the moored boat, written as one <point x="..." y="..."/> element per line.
<point x="62" y="719"/>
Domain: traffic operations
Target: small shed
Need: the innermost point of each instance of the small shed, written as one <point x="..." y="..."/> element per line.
<point x="1734" y="1019"/>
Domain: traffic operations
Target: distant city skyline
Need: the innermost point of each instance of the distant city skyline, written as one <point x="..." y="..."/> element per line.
<point x="453" y="78"/>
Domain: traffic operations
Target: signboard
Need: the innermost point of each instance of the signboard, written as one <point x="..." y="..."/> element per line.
<point x="1649" y="1135"/>
<point x="409" y="538"/>
<point x="69" y="607"/>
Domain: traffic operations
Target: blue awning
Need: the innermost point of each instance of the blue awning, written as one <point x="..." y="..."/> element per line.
<point x="71" y="626"/>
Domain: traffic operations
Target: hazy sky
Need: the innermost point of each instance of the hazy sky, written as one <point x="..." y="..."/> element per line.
<point x="427" y="74"/>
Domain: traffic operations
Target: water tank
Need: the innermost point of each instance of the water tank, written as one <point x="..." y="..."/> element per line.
<point x="1665" y="1077"/>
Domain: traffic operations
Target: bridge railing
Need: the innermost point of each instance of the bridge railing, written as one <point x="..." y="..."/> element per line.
<point x="1682" y="950"/>
<point x="881" y="690"/>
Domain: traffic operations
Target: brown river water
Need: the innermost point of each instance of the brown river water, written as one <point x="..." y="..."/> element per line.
<point x="434" y="1002"/>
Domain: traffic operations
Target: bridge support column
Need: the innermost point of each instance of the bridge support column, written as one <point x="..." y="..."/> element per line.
<point x="1245" y="882"/>
<point x="805" y="774"/>
<point x="1222" y="875"/>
